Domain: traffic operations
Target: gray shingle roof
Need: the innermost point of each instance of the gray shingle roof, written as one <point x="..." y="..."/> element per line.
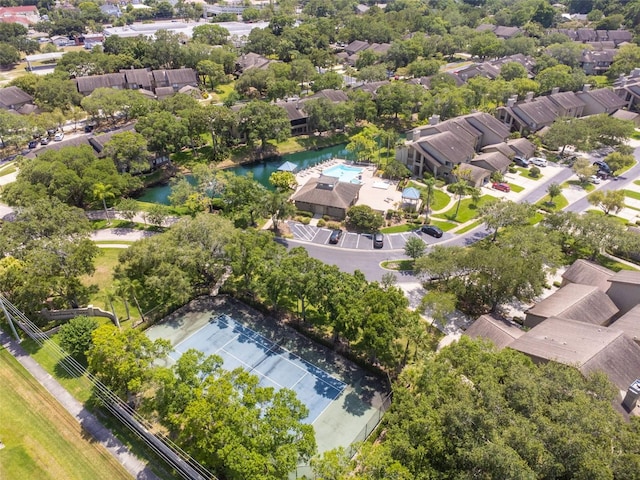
<point x="583" y="303"/>
<point x="566" y="100"/>
<point x="629" y="323"/>
<point x="588" y="273"/>
<point x="540" y="110"/>
<point x="341" y="195"/>
<point x="588" y="347"/>
<point x="449" y="146"/>
<point x="494" y="161"/>
<point x="500" y="332"/>
<point x="10" y="96"/>
<point x="605" y="97"/>
<point x="626" y="276"/>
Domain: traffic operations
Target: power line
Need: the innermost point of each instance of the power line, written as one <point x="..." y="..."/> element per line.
<point x="187" y="467"/>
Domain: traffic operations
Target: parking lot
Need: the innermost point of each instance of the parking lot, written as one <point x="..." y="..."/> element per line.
<point x="357" y="241"/>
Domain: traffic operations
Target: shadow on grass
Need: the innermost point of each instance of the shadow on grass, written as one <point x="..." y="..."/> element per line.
<point x="68" y="367"/>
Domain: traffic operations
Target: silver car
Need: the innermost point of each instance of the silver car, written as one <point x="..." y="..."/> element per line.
<point x="538" y="161"/>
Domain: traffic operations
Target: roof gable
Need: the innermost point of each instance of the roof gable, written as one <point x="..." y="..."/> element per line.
<point x="588" y="273"/>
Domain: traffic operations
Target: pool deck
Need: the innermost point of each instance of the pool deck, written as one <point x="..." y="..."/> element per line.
<point x="377" y="198"/>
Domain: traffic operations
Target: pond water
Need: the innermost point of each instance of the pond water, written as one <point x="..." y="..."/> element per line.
<point x="261" y="170"/>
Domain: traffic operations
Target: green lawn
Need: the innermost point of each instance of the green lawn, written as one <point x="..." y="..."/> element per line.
<point x="471" y="226"/>
<point x="537" y="218"/>
<point x="558" y="204"/>
<point x="525" y="172"/>
<point x="8" y="169"/>
<point x="612" y="264"/>
<point x="398" y="265"/>
<point x="102" y="278"/>
<point x="637" y="182"/>
<point x="405" y="227"/>
<point x="600" y="212"/>
<point x="439" y="198"/>
<point x="41" y="439"/>
<point x="586" y="186"/>
<point x="516" y="188"/>
<point x="444" y="226"/>
<point x="467" y="209"/>
<point x="632" y="194"/>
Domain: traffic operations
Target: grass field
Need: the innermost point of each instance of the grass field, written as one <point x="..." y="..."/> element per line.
<point x="41" y="439"/>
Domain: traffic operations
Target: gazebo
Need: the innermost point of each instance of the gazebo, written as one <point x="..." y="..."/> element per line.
<point x="288" y="167"/>
<point x="411" y="196"/>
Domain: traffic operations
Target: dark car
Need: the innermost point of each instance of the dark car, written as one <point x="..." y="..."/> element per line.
<point x="378" y="240"/>
<point x="33" y="144"/>
<point x="602" y="166"/>
<point x="335" y="236"/>
<point x="521" y="161"/>
<point x="89" y="128"/>
<point x="44" y="141"/>
<point x="432" y="230"/>
<point x="503" y="187"/>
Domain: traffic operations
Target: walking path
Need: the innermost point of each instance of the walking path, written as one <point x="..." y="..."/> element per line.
<point x="136" y="467"/>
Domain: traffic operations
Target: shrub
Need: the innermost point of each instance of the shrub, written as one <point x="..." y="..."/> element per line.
<point x="303" y="220"/>
<point x="322" y="222"/>
<point x="326" y="218"/>
<point x="512" y="170"/>
<point x="334" y="225"/>
<point x="534" y="171"/>
<point x="304" y="213"/>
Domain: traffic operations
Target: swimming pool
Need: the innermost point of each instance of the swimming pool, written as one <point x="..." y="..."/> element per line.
<point x="344" y="173"/>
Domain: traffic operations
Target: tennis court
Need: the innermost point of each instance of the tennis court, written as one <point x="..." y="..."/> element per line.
<point x="277" y="367"/>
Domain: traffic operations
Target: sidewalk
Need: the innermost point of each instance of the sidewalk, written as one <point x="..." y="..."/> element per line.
<point x="136" y="467"/>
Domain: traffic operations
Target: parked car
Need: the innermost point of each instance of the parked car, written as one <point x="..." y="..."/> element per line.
<point x="335" y="236"/>
<point x="44" y="141"/>
<point x="432" y="230"/>
<point x="521" y="161"/>
<point x="33" y="144"/>
<point x="89" y="128"/>
<point x="538" y="161"/>
<point x="594" y="179"/>
<point x="378" y="240"/>
<point x="503" y="187"/>
<point x="602" y="175"/>
<point x="58" y="136"/>
<point x="602" y="166"/>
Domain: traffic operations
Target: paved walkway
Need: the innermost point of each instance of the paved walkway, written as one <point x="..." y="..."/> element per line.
<point x="136" y="467"/>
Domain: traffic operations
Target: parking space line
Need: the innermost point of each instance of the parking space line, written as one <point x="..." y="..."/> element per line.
<point x="358" y="241"/>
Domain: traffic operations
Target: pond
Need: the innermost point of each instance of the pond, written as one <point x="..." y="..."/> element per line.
<point x="261" y="170"/>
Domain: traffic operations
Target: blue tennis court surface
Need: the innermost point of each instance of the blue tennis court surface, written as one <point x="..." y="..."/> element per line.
<point x="240" y="346"/>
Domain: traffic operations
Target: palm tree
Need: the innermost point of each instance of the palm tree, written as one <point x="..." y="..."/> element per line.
<point x="430" y="183"/>
<point x="102" y="191"/>
<point x="108" y="295"/>
<point x="460" y="188"/>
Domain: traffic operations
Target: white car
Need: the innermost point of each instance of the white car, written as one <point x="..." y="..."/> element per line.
<point x="58" y="136"/>
<point x="594" y="179"/>
<point x="538" y="161"/>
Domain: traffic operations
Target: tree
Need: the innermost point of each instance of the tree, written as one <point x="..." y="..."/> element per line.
<point x="626" y="59"/>
<point x="8" y="55"/>
<point x="414" y="247"/>
<point x="609" y="200"/>
<point x="129" y="153"/>
<point x="618" y="161"/>
<point x="554" y="190"/>
<point x="362" y="146"/>
<point x="459" y="189"/>
<point x="607" y="130"/>
<point x="165" y="133"/>
<point x="512" y="70"/>
<point x="122" y="360"/>
<point x="213" y="71"/>
<point x="364" y="219"/>
<point x="500" y="214"/>
<point x="556" y="76"/>
<point x="583" y="169"/>
<point x="55" y="91"/>
<point x="263" y="121"/>
<point x="279" y="207"/>
<point x="470" y="378"/>
<point x="128" y="208"/>
<point x="259" y="431"/>
<point x="242" y="196"/>
<point x="76" y="336"/>
<point x="566" y="131"/>
<point x="283" y="181"/>
<point x="156" y="215"/>
<point x="104" y="192"/>
<point x="210" y="34"/>
<point x="430" y="183"/>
